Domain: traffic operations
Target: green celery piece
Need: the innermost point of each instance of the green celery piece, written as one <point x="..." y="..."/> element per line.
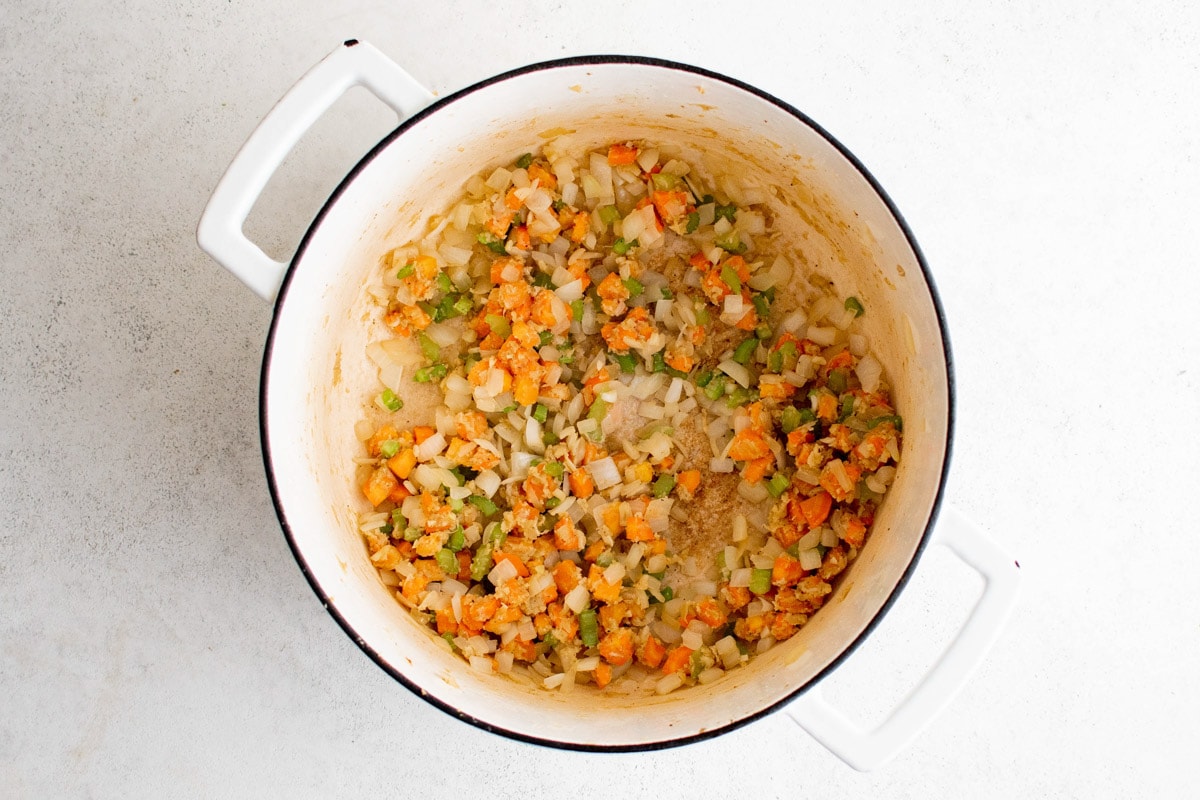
<point x="664" y="485"/>
<point x="388" y="401"/>
<point x="447" y="561"/>
<point x="429" y="348"/>
<point x="744" y="351"/>
<point x="462" y="306"/>
<point x="499" y="325"/>
<point x="492" y="243"/>
<point x="760" y="581"/>
<point x="627" y="362"/>
<point x="853" y="304"/>
<point x="715" y="388"/>
<point x="524" y="160"/>
<point x="484" y="504"/>
<point x="730" y="278"/>
<point x="431" y="373"/>
<point x="456" y="541"/>
<point x="589" y="628"/>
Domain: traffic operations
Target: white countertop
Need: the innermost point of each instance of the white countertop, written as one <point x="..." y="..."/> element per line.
<point x="156" y="636"/>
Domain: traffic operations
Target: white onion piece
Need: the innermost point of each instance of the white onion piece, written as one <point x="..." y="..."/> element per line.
<point x="570" y="292"/>
<point x="487" y="482"/>
<point x="736" y="371"/>
<point x="869" y="372"/>
<point x="502" y="572"/>
<point x="810" y="559"/>
<point x="430" y="447"/>
<point x="720" y="465"/>
<point x="822" y="336"/>
<point x="604" y="472"/>
<point x="576" y="599"/>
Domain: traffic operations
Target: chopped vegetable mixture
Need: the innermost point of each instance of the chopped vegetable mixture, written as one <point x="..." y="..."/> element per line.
<point x="588" y="320"/>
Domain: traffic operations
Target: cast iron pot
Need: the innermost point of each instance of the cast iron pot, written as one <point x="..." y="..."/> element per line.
<point x="316" y="377"/>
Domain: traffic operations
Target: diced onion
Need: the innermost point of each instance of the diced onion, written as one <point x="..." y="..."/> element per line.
<point x="736" y="371"/>
<point x="869" y="372"/>
<point x="604" y="472"/>
<point x="810" y="559"/>
<point x="577" y="599"/>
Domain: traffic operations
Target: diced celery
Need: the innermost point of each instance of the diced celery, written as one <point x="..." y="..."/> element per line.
<point x="760" y="581"/>
<point x="429" y="348"/>
<point x="589" y="628"/>
<point x="447" y="561"/>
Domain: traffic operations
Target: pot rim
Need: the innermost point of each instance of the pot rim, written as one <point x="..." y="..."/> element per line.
<point x="264" y="387"/>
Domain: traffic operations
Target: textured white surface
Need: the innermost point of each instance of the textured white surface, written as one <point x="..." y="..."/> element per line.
<point x="156" y="638"/>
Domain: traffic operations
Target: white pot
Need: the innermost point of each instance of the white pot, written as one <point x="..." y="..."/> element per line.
<point x="316" y="376"/>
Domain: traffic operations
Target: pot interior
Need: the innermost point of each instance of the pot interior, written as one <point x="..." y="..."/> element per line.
<point x="318" y="378"/>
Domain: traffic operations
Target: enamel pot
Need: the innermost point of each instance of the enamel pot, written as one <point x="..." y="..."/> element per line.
<point x="316" y="378"/>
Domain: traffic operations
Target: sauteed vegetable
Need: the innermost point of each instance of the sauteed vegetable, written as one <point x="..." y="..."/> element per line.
<point x="645" y="469"/>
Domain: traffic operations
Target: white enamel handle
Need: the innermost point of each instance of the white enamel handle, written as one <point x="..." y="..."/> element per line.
<point x="220" y="231"/>
<point x="868" y="749"/>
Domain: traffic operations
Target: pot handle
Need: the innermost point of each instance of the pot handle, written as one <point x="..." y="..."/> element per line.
<point x="867" y="750"/>
<point x="220" y="231"/>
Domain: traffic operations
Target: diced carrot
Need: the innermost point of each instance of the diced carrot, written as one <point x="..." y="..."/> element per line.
<point x="422" y="432"/>
<point x="816" y="508"/>
<point x="677" y="660"/>
<point x="511" y="200"/>
<point x="579" y="228"/>
<point x="736" y="596"/>
<point x="512" y="558"/>
<point x="520" y="237"/>
<point x="612" y="614"/>
<point x="539" y="173"/>
<point x="622" y="154"/>
<point x="651" y="653"/>
<point x="699" y="261"/>
<point x="602" y="675"/>
<point x="756" y="470"/>
<point x="464" y="566"/>
<point x="786" y="570"/>
<point x="638" y="530"/>
<point x="708" y="610"/>
<point x="680" y="362"/>
<point x="379" y="485"/>
<point x="594" y="550"/>
<point x="581" y="483"/>
<point x="842" y="359"/>
<point x="748" y="444"/>
<point x="600" y="588"/>
<point x="749" y="321"/>
<point x="856" y="532"/>
<point x="612" y="518"/>
<point x="827" y="407"/>
<point x="446" y="623"/>
<point x="566" y="535"/>
<point x="399" y="494"/>
<point x="566" y="576"/>
<point x="689" y="479"/>
<point x="521" y="649"/>
<point x="402" y="463"/>
<point x="670" y="205"/>
<point x="525" y="390"/>
<point x="617" y="647"/>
